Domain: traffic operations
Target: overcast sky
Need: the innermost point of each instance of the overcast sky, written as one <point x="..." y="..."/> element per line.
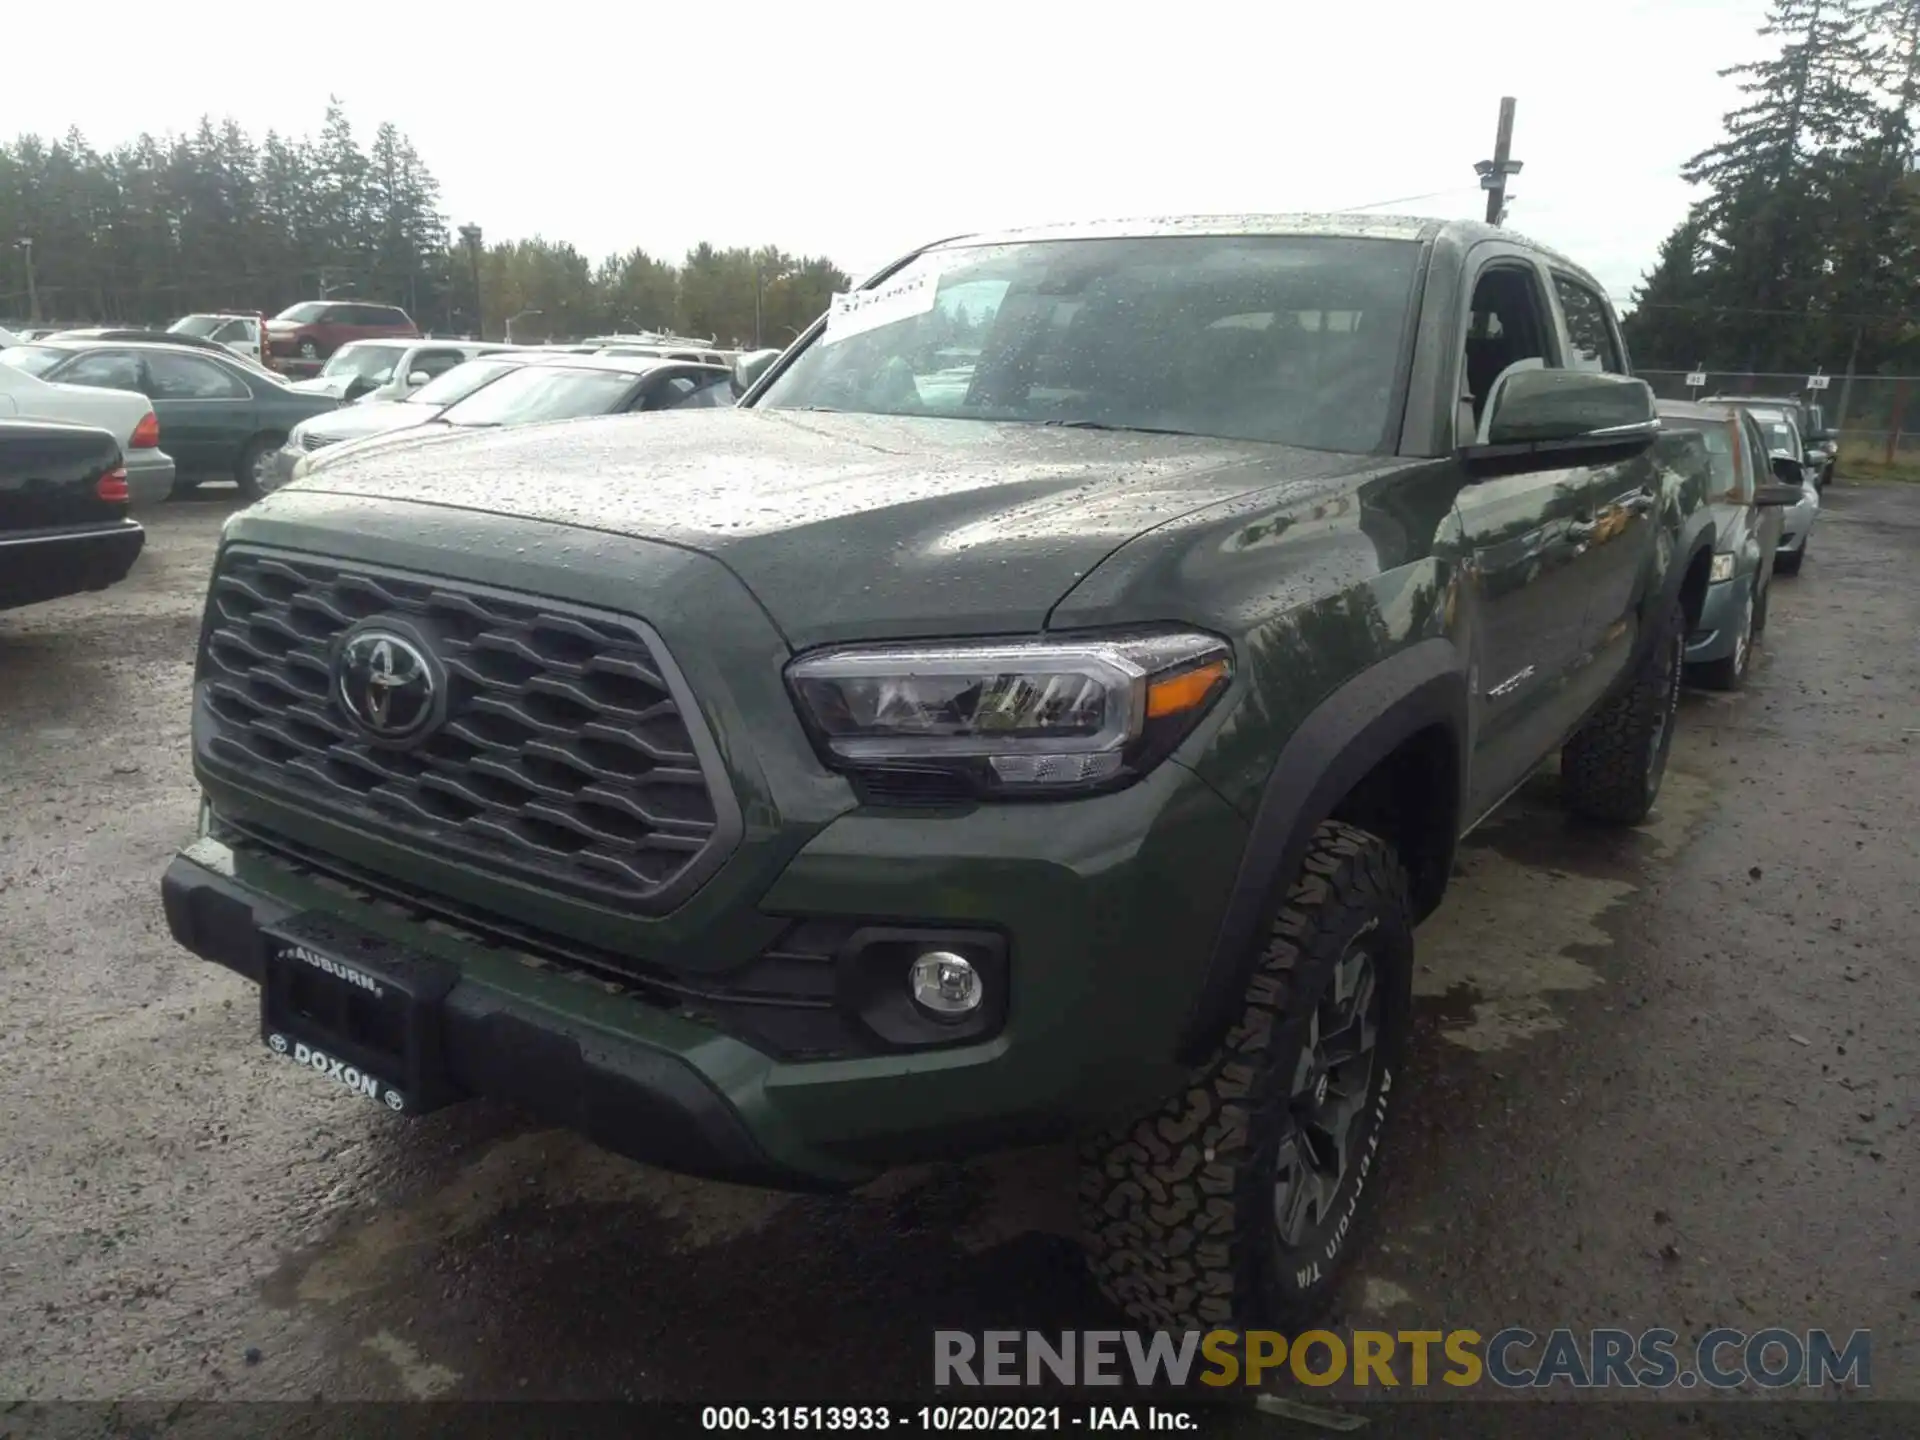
<point x="858" y="130"/>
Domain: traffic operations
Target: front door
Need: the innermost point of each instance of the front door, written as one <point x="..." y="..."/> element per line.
<point x="1524" y="582"/>
<point x="1614" y="530"/>
<point x="206" y="413"/>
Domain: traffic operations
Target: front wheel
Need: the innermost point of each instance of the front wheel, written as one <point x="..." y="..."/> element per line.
<point x="309" y="350"/>
<point x="1237" y="1202"/>
<point x="253" y="476"/>
<point x="1611" y="769"/>
<point x="1729" y="672"/>
<point x="1789" y="564"/>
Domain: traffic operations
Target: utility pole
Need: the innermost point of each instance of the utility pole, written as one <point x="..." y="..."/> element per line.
<point x="470" y="233"/>
<point x="756" y="307"/>
<point x="33" y="291"/>
<point x="1493" y="173"/>
<point x="1846" y="385"/>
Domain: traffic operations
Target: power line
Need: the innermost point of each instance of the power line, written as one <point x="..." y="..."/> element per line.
<point x="1404" y="199"/>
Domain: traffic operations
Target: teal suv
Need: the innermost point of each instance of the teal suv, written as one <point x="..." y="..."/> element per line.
<point x="1041" y="710"/>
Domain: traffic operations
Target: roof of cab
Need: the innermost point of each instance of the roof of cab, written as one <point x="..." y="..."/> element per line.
<point x="1691" y="410"/>
<point x="1462" y="233"/>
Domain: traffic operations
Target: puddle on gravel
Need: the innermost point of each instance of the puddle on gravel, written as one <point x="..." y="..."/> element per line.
<point x="1524" y="919"/>
<point x="541" y="1166"/>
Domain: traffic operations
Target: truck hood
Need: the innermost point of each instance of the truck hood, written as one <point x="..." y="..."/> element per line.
<point x="843" y="526"/>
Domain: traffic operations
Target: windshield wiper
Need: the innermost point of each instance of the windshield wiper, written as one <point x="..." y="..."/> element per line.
<point x="1103" y="425"/>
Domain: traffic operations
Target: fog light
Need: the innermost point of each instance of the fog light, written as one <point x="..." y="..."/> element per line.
<point x="945" y="984"/>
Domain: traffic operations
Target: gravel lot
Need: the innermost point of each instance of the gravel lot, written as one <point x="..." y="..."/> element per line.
<point x="1666" y="1078"/>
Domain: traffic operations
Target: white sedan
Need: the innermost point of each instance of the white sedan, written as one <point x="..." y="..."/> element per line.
<point x="127" y="416"/>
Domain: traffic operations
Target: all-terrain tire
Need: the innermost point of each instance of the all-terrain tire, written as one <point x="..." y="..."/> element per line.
<point x="1180" y="1209"/>
<point x="1610" y="770"/>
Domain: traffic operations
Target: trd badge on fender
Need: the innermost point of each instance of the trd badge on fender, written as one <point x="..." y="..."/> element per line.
<point x="355" y="1080"/>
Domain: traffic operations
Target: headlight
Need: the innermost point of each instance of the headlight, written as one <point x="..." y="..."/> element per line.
<point x="1722" y="569"/>
<point x="1042" y="717"/>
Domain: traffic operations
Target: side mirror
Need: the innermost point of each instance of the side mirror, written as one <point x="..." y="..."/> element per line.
<point x="1766" y="496"/>
<point x="417" y="379"/>
<point x="1789" y="471"/>
<point x="748" y="369"/>
<point x="1538" y="419"/>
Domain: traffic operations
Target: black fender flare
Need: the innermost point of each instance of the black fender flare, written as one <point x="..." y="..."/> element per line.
<point x="1345" y="736"/>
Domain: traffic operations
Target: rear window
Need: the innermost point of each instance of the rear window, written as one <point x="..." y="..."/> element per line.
<point x="1709" y="446"/>
<point x="34" y="359"/>
<point x="200" y="326"/>
<point x="304" y="313"/>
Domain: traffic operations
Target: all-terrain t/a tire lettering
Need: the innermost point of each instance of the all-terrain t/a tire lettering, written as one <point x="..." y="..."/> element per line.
<point x="1187" y="1210"/>
<point x="1612" y="767"/>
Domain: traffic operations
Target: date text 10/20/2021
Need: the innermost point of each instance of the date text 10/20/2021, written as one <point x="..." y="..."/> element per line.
<point x="946" y="1418"/>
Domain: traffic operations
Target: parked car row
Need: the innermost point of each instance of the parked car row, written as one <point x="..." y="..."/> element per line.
<point x="1763" y="496"/>
<point x="219" y="414"/>
<point x="506" y="388"/>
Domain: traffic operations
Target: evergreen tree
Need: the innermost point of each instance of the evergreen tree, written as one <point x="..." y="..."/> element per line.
<point x="1806" y="218"/>
<point x="213" y="220"/>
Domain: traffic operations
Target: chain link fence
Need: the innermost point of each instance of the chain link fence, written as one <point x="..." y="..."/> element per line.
<point x="1877" y="416"/>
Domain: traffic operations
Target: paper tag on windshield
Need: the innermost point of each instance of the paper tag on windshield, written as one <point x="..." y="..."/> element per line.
<point x="865" y="310"/>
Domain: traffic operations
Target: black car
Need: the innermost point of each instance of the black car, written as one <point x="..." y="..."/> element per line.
<point x="63" y="512"/>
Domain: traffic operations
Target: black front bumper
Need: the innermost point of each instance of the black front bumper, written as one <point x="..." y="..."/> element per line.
<point x="47" y="564"/>
<point x="628" y="1099"/>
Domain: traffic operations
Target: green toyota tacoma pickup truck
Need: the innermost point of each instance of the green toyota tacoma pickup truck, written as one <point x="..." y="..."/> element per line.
<point x="1042" y="709"/>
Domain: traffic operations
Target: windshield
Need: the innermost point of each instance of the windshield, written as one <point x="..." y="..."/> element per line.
<point x="305" y="313"/>
<point x="34" y="359"/>
<point x="543" y="392"/>
<point x="201" y="326"/>
<point x="1254" y="337"/>
<point x="366" y="362"/>
<point x="461" y="381"/>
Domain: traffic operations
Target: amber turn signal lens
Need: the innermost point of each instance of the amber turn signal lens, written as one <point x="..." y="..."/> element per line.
<point x="1179" y="693"/>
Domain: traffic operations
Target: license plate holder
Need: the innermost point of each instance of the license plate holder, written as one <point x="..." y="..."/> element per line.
<point x="358" y="1008"/>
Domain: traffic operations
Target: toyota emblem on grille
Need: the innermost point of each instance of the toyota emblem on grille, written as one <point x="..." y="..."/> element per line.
<point x="387" y="683"/>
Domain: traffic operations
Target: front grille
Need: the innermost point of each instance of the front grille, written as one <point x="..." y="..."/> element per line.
<point x="565" y="757"/>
